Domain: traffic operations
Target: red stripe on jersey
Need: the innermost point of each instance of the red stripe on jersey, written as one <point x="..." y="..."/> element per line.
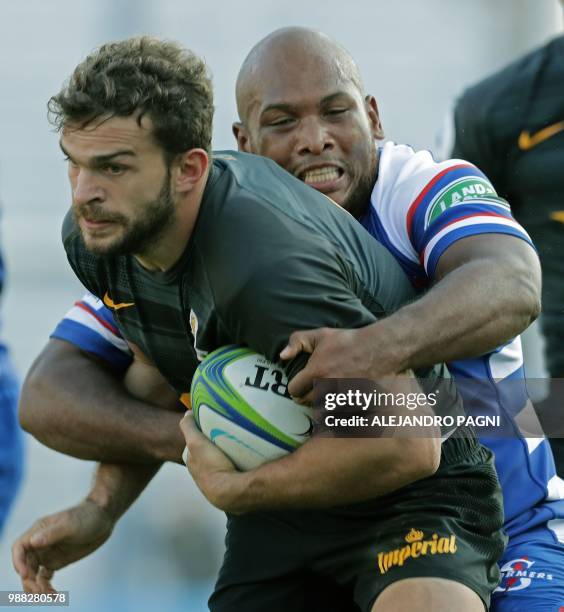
<point x="89" y="310"/>
<point x="415" y="204"/>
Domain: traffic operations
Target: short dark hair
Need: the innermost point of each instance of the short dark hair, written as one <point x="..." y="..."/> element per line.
<point x="142" y="75"/>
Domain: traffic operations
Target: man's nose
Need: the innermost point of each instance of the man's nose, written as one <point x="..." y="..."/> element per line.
<point x="85" y="187"/>
<point x="314" y="138"/>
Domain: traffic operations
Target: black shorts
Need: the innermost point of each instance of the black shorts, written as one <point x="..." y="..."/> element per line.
<point x="447" y="526"/>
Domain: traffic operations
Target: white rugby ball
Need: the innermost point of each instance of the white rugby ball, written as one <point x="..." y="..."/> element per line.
<point x="241" y="403"/>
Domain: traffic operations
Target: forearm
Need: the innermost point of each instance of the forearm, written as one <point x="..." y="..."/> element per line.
<point x="327" y="472"/>
<point x="73" y="405"/>
<point x="116" y="487"/>
<point x="472" y="310"/>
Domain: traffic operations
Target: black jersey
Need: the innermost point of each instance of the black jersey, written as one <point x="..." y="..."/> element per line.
<point x="268" y="255"/>
<point x="511" y="126"/>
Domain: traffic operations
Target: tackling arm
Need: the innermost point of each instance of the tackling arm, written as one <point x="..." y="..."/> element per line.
<point x="74" y="404"/>
<point x="488" y="291"/>
<point x="64" y="537"/>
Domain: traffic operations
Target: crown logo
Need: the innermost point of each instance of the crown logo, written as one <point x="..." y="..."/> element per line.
<point x="414" y="536"/>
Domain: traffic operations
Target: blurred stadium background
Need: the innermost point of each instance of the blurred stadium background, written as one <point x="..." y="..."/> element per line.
<point x="415" y="58"/>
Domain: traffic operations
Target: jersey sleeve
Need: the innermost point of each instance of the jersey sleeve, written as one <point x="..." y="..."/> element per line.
<point x="459" y="201"/>
<point x="427" y="206"/>
<point x="90" y="326"/>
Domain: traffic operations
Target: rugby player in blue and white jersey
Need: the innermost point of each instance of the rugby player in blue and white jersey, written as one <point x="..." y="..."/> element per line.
<point x="312" y="120"/>
<point x="448" y="229"/>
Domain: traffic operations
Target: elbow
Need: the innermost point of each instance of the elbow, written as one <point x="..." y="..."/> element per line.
<point x="527" y="308"/>
<point x="33" y="389"/>
<point x="535" y="304"/>
<point x="431" y="453"/>
<point x="534" y="311"/>
<point x="423" y="460"/>
<point x="25" y="410"/>
<point x="528" y="286"/>
<point x="521" y="279"/>
<point x="530" y="291"/>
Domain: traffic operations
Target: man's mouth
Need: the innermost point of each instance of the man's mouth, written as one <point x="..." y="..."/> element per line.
<point x="95" y="223"/>
<point x="325" y="178"/>
<point x="95" y="219"/>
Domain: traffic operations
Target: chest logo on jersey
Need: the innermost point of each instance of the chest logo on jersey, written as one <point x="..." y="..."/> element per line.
<point x="200" y="354"/>
<point x="111" y="304"/>
<point x="459" y="192"/>
<point x="557" y="215"/>
<point x="516" y="575"/>
<point x="528" y="141"/>
<point x="417" y="546"/>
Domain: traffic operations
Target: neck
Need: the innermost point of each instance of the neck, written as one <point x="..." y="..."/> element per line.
<point x="168" y="248"/>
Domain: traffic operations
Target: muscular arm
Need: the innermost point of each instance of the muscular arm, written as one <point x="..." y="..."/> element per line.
<point x="487" y="292"/>
<point x="324" y="472"/>
<point x="73" y="404"/>
<point x="117" y="486"/>
<point x="62" y="538"/>
<point x="327" y="472"/>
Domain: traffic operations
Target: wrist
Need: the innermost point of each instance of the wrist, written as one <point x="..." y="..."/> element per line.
<point x="274" y="485"/>
<point x="103" y="499"/>
<point x="236" y="493"/>
<point x="393" y="338"/>
<point x="116" y="486"/>
<point x="171" y="442"/>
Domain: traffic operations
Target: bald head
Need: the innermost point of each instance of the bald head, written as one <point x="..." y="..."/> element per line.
<point x="301" y="103"/>
<point x="289" y="48"/>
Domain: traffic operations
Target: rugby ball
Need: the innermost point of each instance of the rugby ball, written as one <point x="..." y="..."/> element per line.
<point x="241" y="403"/>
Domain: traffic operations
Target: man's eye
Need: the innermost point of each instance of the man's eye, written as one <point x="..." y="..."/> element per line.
<point x="113" y="169"/>
<point x="337" y="111"/>
<point x="70" y="162"/>
<point x="281" y="122"/>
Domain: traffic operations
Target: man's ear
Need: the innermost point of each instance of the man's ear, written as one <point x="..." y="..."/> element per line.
<point x="188" y="169"/>
<point x="374" y="117"/>
<point x="242" y="137"/>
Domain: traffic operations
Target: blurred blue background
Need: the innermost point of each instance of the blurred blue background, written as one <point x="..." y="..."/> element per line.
<point x="415" y="58"/>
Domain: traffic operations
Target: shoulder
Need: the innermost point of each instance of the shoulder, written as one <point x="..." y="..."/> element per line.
<point x="72" y="241"/>
<point x="251" y="173"/>
<point x="70" y="229"/>
<point x="414" y="169"/>
<point x="408" y="178"/>
<point x="87" y="266"/>
<point x="253" y="242"/>
<point x="413" y="189"/>
<point x="247" y="180"/>
<point x="255" y="201"/>
<point x="500" y="93"/>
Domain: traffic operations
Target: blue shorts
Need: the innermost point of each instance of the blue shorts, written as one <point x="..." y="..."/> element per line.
<point x="11" y="439"/>
<point x="532" y="578"/>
